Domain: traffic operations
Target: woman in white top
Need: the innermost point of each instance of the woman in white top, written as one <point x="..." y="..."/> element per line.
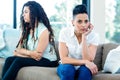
<point x="35" y="47"/>
<point x="77" y="48"/>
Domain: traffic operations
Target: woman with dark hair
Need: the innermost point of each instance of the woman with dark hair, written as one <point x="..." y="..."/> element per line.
<point x="36" y="45"/>
<point x="77" y="48"/>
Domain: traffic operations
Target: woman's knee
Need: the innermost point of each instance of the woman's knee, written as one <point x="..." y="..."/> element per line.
<point x="85" y="70"/>
<point x="84" y="73"/>
<point x="66" y="69"/>
<point x="9" y="59"/>
<point x="19" y="60"/>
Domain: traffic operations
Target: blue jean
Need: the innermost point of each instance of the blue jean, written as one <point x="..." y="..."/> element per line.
<point x="68" y="72"/>
<point x="14" y="64"/>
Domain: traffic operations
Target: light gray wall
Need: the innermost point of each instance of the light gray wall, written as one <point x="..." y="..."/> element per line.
<point x="98" y="17"/>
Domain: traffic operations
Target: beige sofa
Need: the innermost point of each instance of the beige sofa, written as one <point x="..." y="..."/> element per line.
<point x="45" y="73"/>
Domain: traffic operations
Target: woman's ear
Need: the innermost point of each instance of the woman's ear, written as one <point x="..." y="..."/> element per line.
<point x="72" y="22"/>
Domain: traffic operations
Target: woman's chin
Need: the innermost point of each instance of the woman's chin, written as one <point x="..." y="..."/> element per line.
<point x="26" y="21"/>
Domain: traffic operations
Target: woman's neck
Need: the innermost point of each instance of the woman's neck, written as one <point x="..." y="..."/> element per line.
<point x="79" y="36"/>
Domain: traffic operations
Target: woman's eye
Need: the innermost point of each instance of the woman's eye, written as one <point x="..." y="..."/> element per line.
<point x="79" y="21"/>
<point x="26" y="12"/>
<point x="86" y="21"/>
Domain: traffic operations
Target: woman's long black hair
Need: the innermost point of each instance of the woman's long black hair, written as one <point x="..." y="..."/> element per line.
<point x="37" y="14"/>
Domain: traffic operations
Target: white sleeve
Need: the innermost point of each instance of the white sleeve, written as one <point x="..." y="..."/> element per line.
<point x="94" y="39"/>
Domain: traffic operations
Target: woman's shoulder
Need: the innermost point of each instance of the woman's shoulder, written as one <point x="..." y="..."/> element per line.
<point x="41" y="27"/>
<point x="94" y="38"/>
<point x="67" y="30"/>
<point x="93" y="33"/>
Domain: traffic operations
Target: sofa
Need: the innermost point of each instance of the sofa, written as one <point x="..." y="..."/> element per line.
<point x="11" y="37"/>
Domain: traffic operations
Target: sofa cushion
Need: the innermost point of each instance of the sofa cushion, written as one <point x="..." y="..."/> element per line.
<point x="98" y="57"/>
<point x="37" y="73"/>
<point x="106" y="48"/>
<point x="106" y="76"/>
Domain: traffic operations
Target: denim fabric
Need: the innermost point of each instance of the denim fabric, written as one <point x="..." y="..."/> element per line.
<point x="68" y="72"/>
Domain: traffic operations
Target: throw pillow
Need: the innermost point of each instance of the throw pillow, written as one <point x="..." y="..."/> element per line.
<point x="2" y="42"/>
<point x="112" y="63"/>
<point x="11" y="38"/>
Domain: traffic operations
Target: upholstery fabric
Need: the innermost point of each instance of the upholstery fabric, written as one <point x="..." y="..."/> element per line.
<point x="106" y="76"/>
<point x="98" y="57"/>
<point x="2" y="60"/>
<point x="37" y="73"/>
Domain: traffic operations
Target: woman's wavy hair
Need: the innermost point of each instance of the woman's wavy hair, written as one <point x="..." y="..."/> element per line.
<point x="37" y="14"/>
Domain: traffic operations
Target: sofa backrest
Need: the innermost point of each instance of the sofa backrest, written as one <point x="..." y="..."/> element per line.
<point x="98" y="57"/>
<point x="56" y="48"/>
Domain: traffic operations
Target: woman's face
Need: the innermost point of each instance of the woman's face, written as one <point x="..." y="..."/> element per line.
<point x="26" y="14"/>
<point x="80" y="23"/>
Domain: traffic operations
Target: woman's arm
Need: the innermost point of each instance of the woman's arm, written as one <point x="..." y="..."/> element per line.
<point x="42" y="44"/>
<point x="63" y="50"/>
<point x="88" y="51"/>
<point x="18" y="54"/>
<point x="37" y="53"/>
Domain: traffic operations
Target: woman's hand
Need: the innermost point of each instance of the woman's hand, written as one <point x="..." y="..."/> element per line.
<point x="89" y="28"/>
<point x="93" y="68"/>
<point x="15" y="53"/>
<point x="36" y="55"/>
<point x="18" y="54"/>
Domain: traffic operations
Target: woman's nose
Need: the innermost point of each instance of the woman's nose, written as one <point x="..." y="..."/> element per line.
<point x="83" y="24"/>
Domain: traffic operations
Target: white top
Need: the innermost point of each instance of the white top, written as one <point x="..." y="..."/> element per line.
<point x="32" y="46"/>
<point x="67" y="36"/>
